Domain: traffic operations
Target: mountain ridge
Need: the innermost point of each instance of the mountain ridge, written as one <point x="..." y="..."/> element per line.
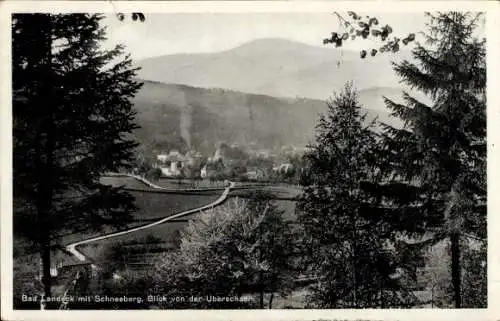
<point x="254" y="42"/>
<point x="273" y="66"/>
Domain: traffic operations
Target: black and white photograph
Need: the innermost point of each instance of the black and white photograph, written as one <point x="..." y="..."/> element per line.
<point x="248" y="160"/>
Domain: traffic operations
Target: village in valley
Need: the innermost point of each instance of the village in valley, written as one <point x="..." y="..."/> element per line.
<point x="228" y="162"/>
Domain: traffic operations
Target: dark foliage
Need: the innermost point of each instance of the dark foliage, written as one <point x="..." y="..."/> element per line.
<point x="348" y="233"/>
<point x="438" y="160"/>
<point x="72" y="117"/>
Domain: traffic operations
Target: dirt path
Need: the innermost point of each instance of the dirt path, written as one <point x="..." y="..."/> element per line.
<point x="72" y="248"/>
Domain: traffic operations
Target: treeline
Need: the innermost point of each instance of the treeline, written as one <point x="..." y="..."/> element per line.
<point x="389" y="217"/>
<point x="376" y="201"/>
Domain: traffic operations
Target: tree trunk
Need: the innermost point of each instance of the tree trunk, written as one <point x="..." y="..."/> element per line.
<point x="44" y="204"/>
<point x="382" y="301"/>
<point x="45" y="188"/>
<point x="456" y="269"/>
<point x="271" y="300"/>
<point x="354" y="257"/>
<point x="261" y="285"/>
<point x="432" y="296"/>
<point x="46" y="278"/>
<point x="454" y="229"/>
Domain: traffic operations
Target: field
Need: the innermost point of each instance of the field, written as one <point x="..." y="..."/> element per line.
<point x="128" y="182"/>
<point x="167" y="233"/>
<point x="172" y="183"/>
<point x="284" y="192"/>
<point x="154" y="205"/>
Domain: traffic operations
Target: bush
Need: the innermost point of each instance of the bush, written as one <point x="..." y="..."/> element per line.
<point x="240" y="248"/>
<point x="153" y="174"/>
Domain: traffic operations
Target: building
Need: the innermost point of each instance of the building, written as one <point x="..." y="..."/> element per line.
<point x="162" y="158"/>
<point x="193" y="163"/>
<point x="208" y="170"/>
<point x="171" y="165"/>
<point x="203" y="172"/>
<point x="283" y="168"/>
<point x="255" y="174"/>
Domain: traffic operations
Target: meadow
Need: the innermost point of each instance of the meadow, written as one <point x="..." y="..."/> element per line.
<point x="182" y="183"/>
<point x="152" y="205"/>
<point x="128" y="182"/>
<point x="279" y="191"/>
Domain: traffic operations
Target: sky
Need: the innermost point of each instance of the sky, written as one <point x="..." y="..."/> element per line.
<point x="163" y="34"/>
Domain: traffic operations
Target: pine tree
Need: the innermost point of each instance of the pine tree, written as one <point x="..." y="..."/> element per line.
<point x="348" y="246"/>
<point x="435" y="168"/>
<point x="71" y="119"/>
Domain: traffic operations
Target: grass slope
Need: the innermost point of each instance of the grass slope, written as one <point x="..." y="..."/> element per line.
<point x="175" y="116"/>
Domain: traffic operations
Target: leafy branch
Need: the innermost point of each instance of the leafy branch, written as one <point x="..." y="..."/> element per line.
<point x="358" y="26"/>
<point x="135" y="16"/>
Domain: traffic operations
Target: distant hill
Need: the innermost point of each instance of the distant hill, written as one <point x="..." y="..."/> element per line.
<point x="275" y="67"/>
<point x="176" y="116"/>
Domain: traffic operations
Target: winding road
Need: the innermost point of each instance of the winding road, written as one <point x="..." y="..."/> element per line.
<point x="72" y="248"/>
